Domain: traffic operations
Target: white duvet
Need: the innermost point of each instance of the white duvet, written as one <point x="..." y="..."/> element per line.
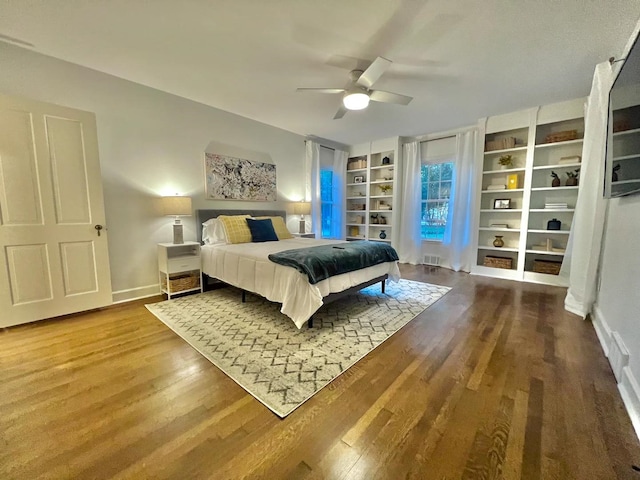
<point x="247" y="266"/>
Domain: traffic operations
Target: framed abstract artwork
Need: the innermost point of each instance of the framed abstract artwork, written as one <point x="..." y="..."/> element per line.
<point x="230" y="178"/>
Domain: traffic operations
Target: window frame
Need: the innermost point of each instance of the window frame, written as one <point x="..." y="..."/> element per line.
<point x="424" y="202"/>
<point x="324" y="203"/>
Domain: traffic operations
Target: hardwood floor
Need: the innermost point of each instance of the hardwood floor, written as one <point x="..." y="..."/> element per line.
<point x="494" y="381"/>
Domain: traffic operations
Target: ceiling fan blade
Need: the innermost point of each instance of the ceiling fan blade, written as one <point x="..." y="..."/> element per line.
<point x="340" y="113"/>
<point x="389" y="97"/>
<point x="321" y="90"/>
<point x="374" y="72"/>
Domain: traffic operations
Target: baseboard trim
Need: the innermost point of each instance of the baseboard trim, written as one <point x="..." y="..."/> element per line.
<point x="137" y="293"/>
<point x="628" y="386"/>
<point x="630" y="393"/>
<point x="603" y="331"/>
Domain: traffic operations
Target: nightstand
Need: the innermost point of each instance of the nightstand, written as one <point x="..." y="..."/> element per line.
<point x="304" y="235"/>
<point x="179" y="268"/>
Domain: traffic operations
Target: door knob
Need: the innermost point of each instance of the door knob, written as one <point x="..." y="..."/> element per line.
<point x="98" y="228"/>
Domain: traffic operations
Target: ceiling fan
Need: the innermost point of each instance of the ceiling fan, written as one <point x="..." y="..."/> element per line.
<point x="358" y="91"/>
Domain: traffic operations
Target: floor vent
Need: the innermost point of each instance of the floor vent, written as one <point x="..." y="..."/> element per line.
<point x="618" y="356"/>
<point x="433" y="260"/>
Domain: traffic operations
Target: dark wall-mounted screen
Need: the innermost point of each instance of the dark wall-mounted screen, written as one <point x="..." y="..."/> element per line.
<point x="622" y="175"/>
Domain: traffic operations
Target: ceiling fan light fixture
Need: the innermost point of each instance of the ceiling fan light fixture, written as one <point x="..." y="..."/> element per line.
<point x="355" y="100"/>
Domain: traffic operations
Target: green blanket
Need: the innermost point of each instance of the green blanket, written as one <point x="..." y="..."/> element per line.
<point x="320" y="263"/>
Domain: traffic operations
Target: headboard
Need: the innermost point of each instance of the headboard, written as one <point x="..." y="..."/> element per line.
<point x="204" y="215"/>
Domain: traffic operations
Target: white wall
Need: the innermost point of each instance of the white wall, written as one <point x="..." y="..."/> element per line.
<point x="617" y="306"/>
<point x="151" y="143"/>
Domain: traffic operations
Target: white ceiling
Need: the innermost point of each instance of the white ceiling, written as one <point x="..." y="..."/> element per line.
<point x="459" y="59"/>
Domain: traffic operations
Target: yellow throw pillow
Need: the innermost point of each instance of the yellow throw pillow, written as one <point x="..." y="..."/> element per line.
<point x="236" y="228"/>
<point x="279" y="226"/>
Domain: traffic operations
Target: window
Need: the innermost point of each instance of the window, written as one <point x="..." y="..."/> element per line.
<point x="436" y="190"/>
<point x="326" y="202"/>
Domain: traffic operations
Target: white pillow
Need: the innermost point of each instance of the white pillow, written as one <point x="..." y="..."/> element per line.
<point x="213" y="232"/>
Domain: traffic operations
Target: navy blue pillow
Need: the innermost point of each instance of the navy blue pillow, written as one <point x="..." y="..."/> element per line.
<point x="262" y="230"/>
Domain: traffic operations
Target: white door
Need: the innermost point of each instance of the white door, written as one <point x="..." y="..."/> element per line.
<point x="52" y="261"/>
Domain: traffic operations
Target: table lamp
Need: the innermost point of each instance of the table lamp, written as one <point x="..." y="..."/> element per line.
<point x="177" y="206"/>
<point x="302" y="209"/>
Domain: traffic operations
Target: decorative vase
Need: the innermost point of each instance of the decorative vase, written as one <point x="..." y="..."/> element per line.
<point x="382" y="235"/>
<point x="386" y="161"/>
<point x="571" y="182"/>
<point x="555" y="182"/>
<point x="498" y="242"/>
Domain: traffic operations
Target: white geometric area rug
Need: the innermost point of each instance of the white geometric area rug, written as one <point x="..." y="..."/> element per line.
<point x="281" y="366"/>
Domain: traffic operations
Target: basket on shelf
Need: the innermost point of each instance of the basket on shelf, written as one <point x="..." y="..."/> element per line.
<point x="561" y="136"/>
<point x="500" y="144"/>
<point x="547" y="266"/>
<point x="181" y="282"/>
<point x="498" y="262"/>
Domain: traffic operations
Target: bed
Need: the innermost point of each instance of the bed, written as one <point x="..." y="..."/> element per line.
<point x="247" y="266"/>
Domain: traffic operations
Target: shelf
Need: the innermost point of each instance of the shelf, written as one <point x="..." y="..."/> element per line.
<point x="356" y="211"/>
<point x="349" y="237"/>
<point x="380" y="211"/>
<point x="503" y="249"/>
<point x="357" y="197"/>
<point x="513" y="190"/>
<point x="559" y="232"/>
<point x="557" y="166"/>
<point x="626" y="157"/>
<point x="506" y="150"/>
<point x="559" y="144"/>
<point x="501" y="210"/>
<point x="380" y="167"/>
<point x="385" y="240"/>
<point x="506" y="273"/>
<point x="355" y="224"/>
<point x="356" y="184"/>
<point x="552" y="210"/>
<point x="625" y="182"/>
<point x="507" y="170"/>
<point x="381" y="196"/>
<point x="499" y="229"/>
<point x="377" y="182"/>
<point x="357" y="170"/>
<point x="627" y="132"/>
<point x="543" y="189"/>
<point x="380" y="225"/>
<point x="545" y="252"/>
<point x="545" y="278"/>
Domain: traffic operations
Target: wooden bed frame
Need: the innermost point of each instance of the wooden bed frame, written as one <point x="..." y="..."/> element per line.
<point x="204" y="215"/>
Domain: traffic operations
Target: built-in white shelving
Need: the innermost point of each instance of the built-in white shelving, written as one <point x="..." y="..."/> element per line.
<point x="546" y="143"/>
<point x="373" y="189"/>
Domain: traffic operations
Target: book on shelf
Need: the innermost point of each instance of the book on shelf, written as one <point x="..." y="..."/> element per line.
<point x="569" y="160"/>
<point x="496" y="187"/>
<point x="555" y="205"/>
<point x="498" y="225"/>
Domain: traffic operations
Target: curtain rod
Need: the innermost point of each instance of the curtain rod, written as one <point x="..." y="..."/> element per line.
<point x="445" y="134"/>
<point x="323" y="146"/>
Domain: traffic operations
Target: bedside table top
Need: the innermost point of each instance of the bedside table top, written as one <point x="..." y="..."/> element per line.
<point x="304" y="235"/>
<point x="169" y="245"/>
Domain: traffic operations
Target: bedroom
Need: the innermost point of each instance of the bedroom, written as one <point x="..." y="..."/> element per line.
<point x="151" y="143"/>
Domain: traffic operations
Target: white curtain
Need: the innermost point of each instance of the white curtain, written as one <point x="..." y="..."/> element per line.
<point x="581" y="261"/>
<point x="458" y="235"/>
<point x="338" y="194"/>
<point x="312" y="184"/>
<point x="410" y="243"/>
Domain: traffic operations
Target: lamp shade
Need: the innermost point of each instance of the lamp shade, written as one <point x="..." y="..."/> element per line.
<point x="302" y="208"/>
<point x="176" y="205"/>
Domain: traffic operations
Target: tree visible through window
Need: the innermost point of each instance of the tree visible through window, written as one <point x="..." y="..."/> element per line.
<point x="326" y="202"/>
<point x="436" y="190"/>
